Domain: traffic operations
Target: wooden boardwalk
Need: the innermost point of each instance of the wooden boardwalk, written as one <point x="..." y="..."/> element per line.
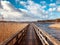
<point x="31" y="35"/>
<point x="30" y="38"/>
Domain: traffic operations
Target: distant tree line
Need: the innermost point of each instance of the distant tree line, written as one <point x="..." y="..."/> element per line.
<point x="54" y="20"/>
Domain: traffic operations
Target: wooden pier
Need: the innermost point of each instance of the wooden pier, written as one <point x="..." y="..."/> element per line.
<point x="31" y="35"/>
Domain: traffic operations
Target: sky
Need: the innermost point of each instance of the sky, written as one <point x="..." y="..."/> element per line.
<point x="39" y="9"/>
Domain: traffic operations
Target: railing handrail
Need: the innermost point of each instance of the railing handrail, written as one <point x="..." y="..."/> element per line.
<point x="13" y="36"/>
<point x="52" y="39"/>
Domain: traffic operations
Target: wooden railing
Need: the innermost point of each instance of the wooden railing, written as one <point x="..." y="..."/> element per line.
<point x="45" y="38"/>
<point x="16" y="38"/>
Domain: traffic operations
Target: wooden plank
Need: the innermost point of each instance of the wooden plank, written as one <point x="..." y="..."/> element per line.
<point x="44" y="42"/>
<point x="52" y="39"/>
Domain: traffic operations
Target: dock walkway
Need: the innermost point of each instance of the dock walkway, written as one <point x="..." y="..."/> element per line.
<point x="30" y="38"/>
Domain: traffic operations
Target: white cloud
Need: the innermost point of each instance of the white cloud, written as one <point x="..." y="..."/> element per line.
<point x="54" y="9"/>
<point x="7" y="5"/>
<point x="52" y="4"/>
<point x="51" y="9"/>
<point x="58" y="8"/>
<point x="46" y="12"/>
<point x="9" y="12"/>
<point x="44" y="6"/>
<point x="23" y="10"/>
<point x="22" y="2"/>
<point x="36" y="9"/>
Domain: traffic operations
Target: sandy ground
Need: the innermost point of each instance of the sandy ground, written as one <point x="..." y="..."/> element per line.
<point x="8" y="29"/>
<point x="57" y="26"/>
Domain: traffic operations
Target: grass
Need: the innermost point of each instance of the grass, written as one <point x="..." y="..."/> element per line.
<point x="8" y="29"/>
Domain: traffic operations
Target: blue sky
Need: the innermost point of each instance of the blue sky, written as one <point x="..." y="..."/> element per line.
<point x="41" y="9"/>
<point x="17" y="4"/>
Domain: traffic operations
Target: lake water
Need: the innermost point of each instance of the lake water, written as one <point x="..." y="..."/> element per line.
<point x="54" y="32"/>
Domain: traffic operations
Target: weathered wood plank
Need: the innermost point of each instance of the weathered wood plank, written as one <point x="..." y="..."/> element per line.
<point x="52" y="39"/>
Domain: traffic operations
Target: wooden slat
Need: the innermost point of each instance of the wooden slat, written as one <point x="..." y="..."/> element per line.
<point x="52" y="39"/>
<point x="44" y="42"/>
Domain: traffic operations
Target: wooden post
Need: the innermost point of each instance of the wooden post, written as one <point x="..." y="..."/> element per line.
<point x="17" y="39"/>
